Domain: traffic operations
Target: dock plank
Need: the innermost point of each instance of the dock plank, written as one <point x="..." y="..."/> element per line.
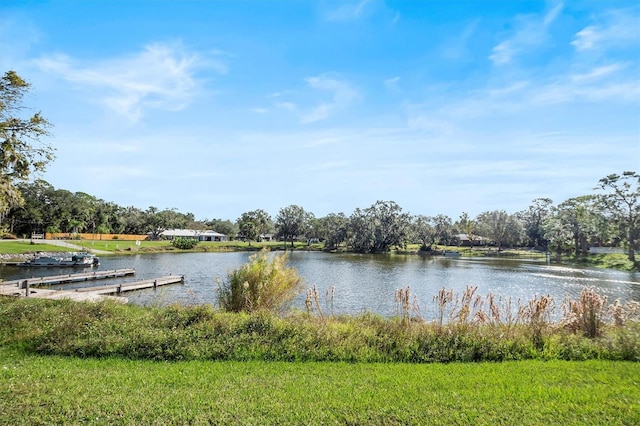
<point x="93" y="293"/>
<point x="137" y="285"/>
<point x="69" y="278"/>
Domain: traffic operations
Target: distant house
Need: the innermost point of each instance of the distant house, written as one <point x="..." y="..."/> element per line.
<point x="170" y="234"/>
<point x="464" y="240"/>
<point x="212" y="236"/>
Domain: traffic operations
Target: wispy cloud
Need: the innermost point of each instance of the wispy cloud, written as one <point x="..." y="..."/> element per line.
<point x="346" y="11"/>
<point x="456" y="47"/>
<point x="531" y="31"/>
<point x="392" y="83"/>
<point x="597" y="73"/>
<point x="324" y="141"/>
<point x="616" y="28"/>
<point x="161" y="76"/>
<point x="340" y="95"/>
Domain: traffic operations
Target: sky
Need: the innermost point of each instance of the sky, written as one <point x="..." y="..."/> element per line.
<point x="221" y="107"/>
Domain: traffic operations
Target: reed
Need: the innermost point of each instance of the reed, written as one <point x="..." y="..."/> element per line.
<point x="467" y="328"/>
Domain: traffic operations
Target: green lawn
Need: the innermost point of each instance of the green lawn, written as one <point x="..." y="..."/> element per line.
<point x="59" y="390"/>
<point x="21" y="247"/>
<point x="150" y="246"/>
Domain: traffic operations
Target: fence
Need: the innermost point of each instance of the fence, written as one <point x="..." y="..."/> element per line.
<point x="102" y="237"/>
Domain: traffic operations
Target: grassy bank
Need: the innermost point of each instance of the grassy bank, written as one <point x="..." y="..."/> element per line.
<point x="107" y="329"/>
<point x="107" y="363"/>
<point x="124" y="247"/>
<point x="37" y="389"/>
<point x="11" y="247"/>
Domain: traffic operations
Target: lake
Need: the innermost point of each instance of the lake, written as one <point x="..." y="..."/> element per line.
<point x="365" y="283"/>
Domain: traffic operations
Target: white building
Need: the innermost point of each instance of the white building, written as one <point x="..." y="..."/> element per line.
<point x="208" y="235"/>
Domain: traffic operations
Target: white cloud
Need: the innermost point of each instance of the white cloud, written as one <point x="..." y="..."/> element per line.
<point x="341" y="96"/>
<point x="597" y="73"/>
<point x="531" y="32"/>
<point x="161" y="76"/>
<point x="619" y="27"/>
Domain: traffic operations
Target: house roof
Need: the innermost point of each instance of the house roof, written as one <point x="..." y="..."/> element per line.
<point x="212" y="233"/>
<point x="189" y="233"/>
<point x="465" y="237"/>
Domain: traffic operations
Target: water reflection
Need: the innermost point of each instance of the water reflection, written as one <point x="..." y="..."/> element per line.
<point x="367" y="282"/>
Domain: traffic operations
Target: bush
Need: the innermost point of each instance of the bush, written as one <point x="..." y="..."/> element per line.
<point x="261" y="284"/>
<point x="184" y="243"/>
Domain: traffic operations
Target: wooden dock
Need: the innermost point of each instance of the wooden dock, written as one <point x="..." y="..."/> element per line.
<point x="71" y="278"/>
<point x="94" y="293"/>
<point x="138" y="285"/>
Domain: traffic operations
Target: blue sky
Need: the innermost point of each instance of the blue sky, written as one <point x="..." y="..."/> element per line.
<point x="221" y="107"/>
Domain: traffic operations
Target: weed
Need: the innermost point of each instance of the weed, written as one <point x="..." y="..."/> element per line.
<point x="261" y="284"/>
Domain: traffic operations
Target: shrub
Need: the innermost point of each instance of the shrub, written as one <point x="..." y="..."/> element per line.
<point x="263" y="283"/>
<point x="184" y="243"/>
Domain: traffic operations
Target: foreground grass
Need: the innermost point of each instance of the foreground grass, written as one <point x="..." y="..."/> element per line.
<point x="176" y="333"/>
<point x="60" y="390"/>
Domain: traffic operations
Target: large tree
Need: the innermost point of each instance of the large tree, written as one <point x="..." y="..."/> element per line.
<point x="423" y="229"/>
<point x="225" y="227"/>
<point x="335" y="227"/>
<point x="576" y="221"/>
<point x="21" y="150"/>
<point x="159" y="221"/>
<point x="292" y="222"/>
<point x="443" y="226"/>
<point x="253" y="224"/>
<point x="533" y="220"/>
<point x="501" y="227"/>
<point x="622" y="199"/>
<point x="377" y="228"/>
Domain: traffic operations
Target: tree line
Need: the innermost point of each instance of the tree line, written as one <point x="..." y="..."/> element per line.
<point x="610" y="217"/>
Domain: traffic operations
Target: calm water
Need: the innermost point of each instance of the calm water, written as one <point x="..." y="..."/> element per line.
<point x="364" y="282"/>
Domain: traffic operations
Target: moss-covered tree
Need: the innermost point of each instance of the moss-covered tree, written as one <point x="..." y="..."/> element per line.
<point x="21" y="150"/>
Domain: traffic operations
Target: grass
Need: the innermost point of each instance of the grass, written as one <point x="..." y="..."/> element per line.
<point x="610" y="261"/>
<point x="23" y="247"/>
<point x="620" y="262"/>
<point x="36" y="389"/>
<point x="65" y="362"/>
<point x="176" y="333"/>
<point x="123" y="246"/>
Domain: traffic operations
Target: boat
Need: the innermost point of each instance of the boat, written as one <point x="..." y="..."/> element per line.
<point x="450" y="253"/>
<point x="66" y="259"/>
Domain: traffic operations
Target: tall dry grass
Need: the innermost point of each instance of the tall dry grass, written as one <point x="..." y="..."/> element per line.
<point x="587" y="315"/>
<point x="263" y="283"/>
